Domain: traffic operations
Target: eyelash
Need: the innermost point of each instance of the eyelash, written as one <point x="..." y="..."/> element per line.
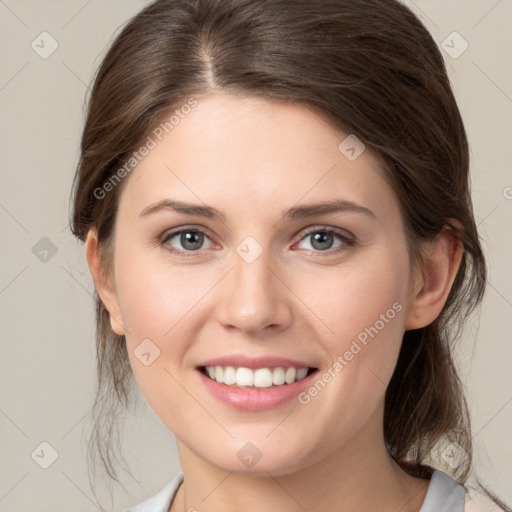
<point x="347" y="241"/>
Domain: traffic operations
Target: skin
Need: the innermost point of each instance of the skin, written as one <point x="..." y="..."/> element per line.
<point x="251" y="159"/>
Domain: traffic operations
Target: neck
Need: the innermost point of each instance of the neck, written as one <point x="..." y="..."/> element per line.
<point x="358" y="476"/>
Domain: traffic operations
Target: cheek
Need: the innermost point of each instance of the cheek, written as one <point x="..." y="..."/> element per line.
<point x="166" y="304"/>
<point x="359" y="312"/>
<point x="352" y="298"/>
<point x="155" y="295"/>
<point x="361" y="315"/>
<point x="159" y="303"/>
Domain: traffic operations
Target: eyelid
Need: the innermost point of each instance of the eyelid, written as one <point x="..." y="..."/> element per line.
<point x="176" y="231"/>
<point x="347" y="237"/>
<point x="171" y="233"/>
<point x="328" y="229"/>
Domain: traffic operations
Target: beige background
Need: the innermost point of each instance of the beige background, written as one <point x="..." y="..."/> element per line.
<point x="47" y="368"/>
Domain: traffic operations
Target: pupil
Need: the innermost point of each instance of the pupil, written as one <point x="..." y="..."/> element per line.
<point x="321" y="239"/>
<point x="191" y="237"/>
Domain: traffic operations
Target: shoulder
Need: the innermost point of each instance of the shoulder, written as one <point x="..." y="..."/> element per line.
<point x="446" y="495"/>
<point x="161" y="501"/>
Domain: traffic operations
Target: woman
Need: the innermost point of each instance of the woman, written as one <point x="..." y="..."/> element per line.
<point x="275" y="204"/>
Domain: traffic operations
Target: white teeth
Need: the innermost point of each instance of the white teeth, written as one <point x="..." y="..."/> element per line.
<point x="244" y="377"/>
<point x="290" y="375"/>
<point x="229" y="375"/>
<point x="260" y="378"/>
<point x="278" y="376"/>
<point x="301" y="373"/>
<point x="263" y="378"/>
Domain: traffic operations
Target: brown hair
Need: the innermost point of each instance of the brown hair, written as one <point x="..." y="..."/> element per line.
<point x="370" y="68"/>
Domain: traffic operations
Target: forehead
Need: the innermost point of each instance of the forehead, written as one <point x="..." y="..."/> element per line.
<point x="255" y="153"/>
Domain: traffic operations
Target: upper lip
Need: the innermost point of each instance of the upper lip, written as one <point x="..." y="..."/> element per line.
<point x="255" y="362"/>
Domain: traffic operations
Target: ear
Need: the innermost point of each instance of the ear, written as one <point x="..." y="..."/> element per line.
<point x="433" y="282"/>
<point x="104" y="284"/>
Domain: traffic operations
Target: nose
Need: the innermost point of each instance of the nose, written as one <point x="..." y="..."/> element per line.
<point x="254" y="298"/>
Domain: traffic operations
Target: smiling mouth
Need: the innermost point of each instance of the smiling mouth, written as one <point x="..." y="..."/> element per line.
<point x="242" y="377"/>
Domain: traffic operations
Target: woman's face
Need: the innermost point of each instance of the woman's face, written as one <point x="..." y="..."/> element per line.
<point x="284" y="250"/>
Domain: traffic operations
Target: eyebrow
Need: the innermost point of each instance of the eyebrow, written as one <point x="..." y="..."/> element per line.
<point x="297" y="212"/>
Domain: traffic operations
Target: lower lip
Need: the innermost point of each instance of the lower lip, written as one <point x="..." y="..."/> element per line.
<point x="255" y="399"/>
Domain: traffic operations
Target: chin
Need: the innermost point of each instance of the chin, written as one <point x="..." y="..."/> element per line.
<point x="259" y="458"/>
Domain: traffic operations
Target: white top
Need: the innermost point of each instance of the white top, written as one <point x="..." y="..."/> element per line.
<point x="444" y="495"/>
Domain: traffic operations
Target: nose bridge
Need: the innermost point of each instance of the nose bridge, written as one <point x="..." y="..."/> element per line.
<point x="253" y="298"/>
